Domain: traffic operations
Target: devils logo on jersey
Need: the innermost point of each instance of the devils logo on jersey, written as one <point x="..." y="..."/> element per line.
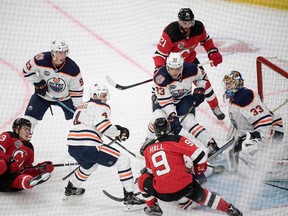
<point x="57" y="84"/>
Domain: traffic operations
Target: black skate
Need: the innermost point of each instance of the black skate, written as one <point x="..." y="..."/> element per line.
<point x="132" y="202"/>
<point x="154" y="210"/>
<point x="232" y="211"/>
<point x="71" y="191"/>
<point x="39" y="179"/>
<point x="218" y="113"/>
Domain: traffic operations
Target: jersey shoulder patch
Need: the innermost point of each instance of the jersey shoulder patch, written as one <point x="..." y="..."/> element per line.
<point x="162" y="78"/>
<point x="43" y="59"/>
<point x="243" y="97"/>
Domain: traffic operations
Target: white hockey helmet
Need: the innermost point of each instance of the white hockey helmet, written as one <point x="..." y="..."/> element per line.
<point x="59" y="46"/>
<point x="98" y="89"/>
<point x="174" y="60"/>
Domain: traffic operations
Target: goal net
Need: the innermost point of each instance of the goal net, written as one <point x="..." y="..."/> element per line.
<point x="272" y="75"/>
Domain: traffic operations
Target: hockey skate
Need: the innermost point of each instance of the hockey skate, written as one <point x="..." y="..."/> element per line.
<point x="218" y="113"/>
<point x="71" y="191"/>
<point x="232" y="211"/>
<point x="132" y="202"/>
<point x="154" y="210"/>
<point x="184" y="203"/>
<point x="39" y="179"/>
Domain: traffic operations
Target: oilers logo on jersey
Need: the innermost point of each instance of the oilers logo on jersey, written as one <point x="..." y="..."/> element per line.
<point x="57" y="84"/>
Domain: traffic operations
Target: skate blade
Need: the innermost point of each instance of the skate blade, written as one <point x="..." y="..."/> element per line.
<point x="134" y="207"/>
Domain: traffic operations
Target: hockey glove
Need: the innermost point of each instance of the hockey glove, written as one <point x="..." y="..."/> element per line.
<point x="41" y="88"/>
<point x="198" y="96"/>
<point x="14" y="166"/>
<point x="46" y="166"/>
<point x="200" y="168"/>
<point x="215" y="56"/>
<point x="124" y="133"/>
<point x="175" y="123"/>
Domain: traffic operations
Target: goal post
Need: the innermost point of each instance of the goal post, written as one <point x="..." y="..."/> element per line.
<point x="262" y="62"/>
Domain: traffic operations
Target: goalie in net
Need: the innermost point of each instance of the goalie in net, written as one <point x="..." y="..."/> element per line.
<point x="257" y="129"/>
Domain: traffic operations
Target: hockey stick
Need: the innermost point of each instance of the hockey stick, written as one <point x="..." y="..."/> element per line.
<point x="282" y="104"/>
<point x="69" y="174"/>
<point x="122" y="87"/>
<point x="118" y="199"/>
<point x="223" y="148"/>
<point x="133" y="154"/>
<point x="54" y="165"/>
<point x="60" y="102"/>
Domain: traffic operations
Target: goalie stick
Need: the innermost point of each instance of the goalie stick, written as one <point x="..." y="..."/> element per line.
<point x="118" y="199"/>
<point x="223" y="148"/>
<point x="123" y="87"/>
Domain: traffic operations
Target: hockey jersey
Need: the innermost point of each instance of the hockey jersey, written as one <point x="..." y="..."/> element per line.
<point x="164" y="159"/>
<point x="247" y="112"/>
<point x="12" y="146"/>
<point x="63" y="83"/>
<point x="91" y="120"/>
<point x="172" y="40"/>
<point x="169" y="91"/>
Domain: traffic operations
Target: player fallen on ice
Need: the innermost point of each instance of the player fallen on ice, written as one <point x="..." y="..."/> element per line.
<point x="16" y="160"/>
<point x="90" y="122"/>
<point x="167" y="178"/>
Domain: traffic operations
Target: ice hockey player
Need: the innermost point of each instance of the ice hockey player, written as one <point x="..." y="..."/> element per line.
<point x="16" y="159"/>
<point x="53" y="72"/>
<point x="167" y="178"/>
<point x="91" y="121"/>
<point x="173" y="84"/>
<point x="184" y="36"/>
<point x="255" y="125"/>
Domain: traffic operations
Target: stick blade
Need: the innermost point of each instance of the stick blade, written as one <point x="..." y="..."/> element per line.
<point x="110" y="81"/>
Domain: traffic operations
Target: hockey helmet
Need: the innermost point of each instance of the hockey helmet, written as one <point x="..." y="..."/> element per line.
<point x="161" y="127"/>
<point x="174" y="60"/>
<point x="19" y="122"/>
<point x="98" y="89"/>
<point x="59" y="46"/>
<point x="185" y="14"/>
<point x="233" y="82"/>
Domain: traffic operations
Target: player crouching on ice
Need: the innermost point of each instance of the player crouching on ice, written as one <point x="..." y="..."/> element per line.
<point x="167" y="178"/>
<point x="90" y="122"/>
<point x="255" y="128"/>
<point x="16" y="158"/>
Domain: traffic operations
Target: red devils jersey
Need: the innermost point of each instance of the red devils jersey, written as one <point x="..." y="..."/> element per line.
<point x="172" y="40"/>
<point x="11" y="146"/>
<point x="164" y="159"/>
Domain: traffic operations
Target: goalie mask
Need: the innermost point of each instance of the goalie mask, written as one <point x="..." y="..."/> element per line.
<point x="233" y="82"/>
<point x="161" y="127"/>
<point x="101" y="91"/>
<point x="174" y="65"/>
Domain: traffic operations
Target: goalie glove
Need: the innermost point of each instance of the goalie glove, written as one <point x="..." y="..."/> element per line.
<point x="124" y="133"/>
<point x="248" y="143"/>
